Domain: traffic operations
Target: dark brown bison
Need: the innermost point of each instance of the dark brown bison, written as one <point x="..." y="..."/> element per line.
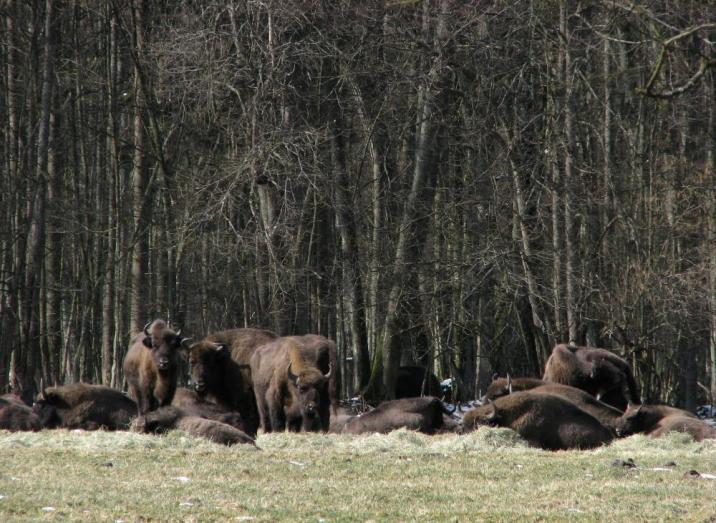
<point x="599" y="372"/>
<point x="422" y="414"/>
<point x="296" y="382"/>
<point x="84" y="406"/>
<point x="151" y="365"/>
<point x="414" y="381"/>
<point x="504" y="386"/>
<point x="657" y="420"/>
<point x="194" y="405"/>
<point x="544" y="420"/>
<point x="15" y="415"/>
<point x="220" y="370"/>
<point x="170" y="417"/>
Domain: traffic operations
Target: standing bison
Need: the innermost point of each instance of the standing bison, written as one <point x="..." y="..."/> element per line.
<point x="151" y="366"/>
<point x="599" y="372"/>
<point x="221" y="373"/>
<point x="295" y="382"/>
<point x="544" y="420"/>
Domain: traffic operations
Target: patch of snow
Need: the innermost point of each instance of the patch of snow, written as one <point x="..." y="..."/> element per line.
<point x="48" y="509"/>
<point x="297" y="463"/>
<point x="183" y="479"/>
<point x="186" y="504"/>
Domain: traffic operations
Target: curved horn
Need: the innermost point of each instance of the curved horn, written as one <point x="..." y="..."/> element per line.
<point x="292" y="376"/>
<point x="493" y="416"/>
<point x="330" y="371"/>
<point x="495" y="376"/>
<point x="178" y="333"/>
<point x="509" y="383"/>
<point x="184" y="341"/>
<point x="146" y="329"/>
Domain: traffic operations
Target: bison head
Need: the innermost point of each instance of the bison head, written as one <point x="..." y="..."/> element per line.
<point x="482" y="415"/>
<point x="207" y="360"/>
<point x="164" y="344"/>
<point x="311" y="392"/>
<point x="632" y="421"/>
<point x="498" y="388"/>
<point x="47" y="407"/>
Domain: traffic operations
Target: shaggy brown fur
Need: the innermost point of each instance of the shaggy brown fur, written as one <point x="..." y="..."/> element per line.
<point x="657" y="420"/>
<point x="221" y="373"/>
<point x="544" y="420"/>
<point x="422" y="414"/>
<point x="84" y="406"/>
<point x="597" y="371"/>
<point x="296" y="382"/>
<point x="170" y="417"/>
<point x="15" y="415"/>
<point x="151" y="366"/>
<point x="504" y="386"/>
<point x="194" y="405"/>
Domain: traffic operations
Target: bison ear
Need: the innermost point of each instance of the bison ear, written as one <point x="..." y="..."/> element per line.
<point x="147" y="341"/>
<point x="632" y="409"/>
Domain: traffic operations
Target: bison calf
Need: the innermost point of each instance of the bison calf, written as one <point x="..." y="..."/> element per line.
<point x="599" y="372"/>
<point x="150" y="366"/>
<point x="422" y="414"/>
<point x="84" y="406"/>
<point x="544" y="420"/>
<point x="170" y="417"/>
<point x="295" y="382"/>
<point x="657" y="420"/>
<point x="16" y="416"/>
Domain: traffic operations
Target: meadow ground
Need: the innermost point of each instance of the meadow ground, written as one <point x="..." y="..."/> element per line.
<point x="489" y="475"/>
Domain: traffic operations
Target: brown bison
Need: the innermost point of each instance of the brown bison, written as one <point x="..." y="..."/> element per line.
<point x="504" y="386"/>
<point x="657" y="420"/>
<point x="296" y="382"/>
<point x="170" y="417"/>
<point x="599" y="372"/>
<point x="84" y="406"/>
<point x="15" y="415"/>
<point x="422" y="414"/>
<point x="194" y="405"/>
<point x="151" y="366"/>
<point x="414" y="381"/>
<point x="544" y="420"/>
<point x="221" y="373"/>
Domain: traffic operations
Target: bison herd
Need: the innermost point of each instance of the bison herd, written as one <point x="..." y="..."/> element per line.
<point x="250" y="379"/>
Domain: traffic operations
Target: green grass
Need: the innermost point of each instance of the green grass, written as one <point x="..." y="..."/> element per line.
<point x="489" y="475"/>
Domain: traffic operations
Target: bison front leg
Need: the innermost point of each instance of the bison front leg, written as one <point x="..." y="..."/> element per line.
<point x="276" y="412"/>
<point x="262" y="405"/>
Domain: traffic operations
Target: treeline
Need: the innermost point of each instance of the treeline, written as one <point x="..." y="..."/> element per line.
<point x="459" y="185"/>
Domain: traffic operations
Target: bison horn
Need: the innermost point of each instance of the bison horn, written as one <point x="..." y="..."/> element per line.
<point x="495" y="376"/>
<point x="292" y="376"/>
<point x="509" y="383"/>
<point x="146" y="329"/>
<point x="179" y="333"/>
<point x="184" y="341"/>
<point x="330" y="371"/>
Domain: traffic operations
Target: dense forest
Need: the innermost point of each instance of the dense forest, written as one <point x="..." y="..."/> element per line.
<point x="456" y="184"/>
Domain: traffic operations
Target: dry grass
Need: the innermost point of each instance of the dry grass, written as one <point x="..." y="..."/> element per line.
<point x="489" y="475"/>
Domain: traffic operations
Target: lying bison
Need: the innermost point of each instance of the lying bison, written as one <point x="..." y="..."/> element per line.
<point x="16" y="416"/>
<point x="422" y="414"/>
<point x="195" y="405"/>
<point x="295" y="382"/>
<point x="84" y="406"/>
<point x="504" y="386"/>
<point x="170" y="417"/>
<point x="544" y="420"/>
<point x="599" y="372"/>
<point x="657" y="420"/>
<point x="606" y="414"/>
<point x="151" y="365"/>
<point x="221" y="373"/>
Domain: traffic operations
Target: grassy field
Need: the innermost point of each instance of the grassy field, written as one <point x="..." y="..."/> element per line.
<point x="488" y="475"/>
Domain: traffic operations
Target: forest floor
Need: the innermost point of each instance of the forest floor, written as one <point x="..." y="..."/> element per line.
<point x="488" y="475"/>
